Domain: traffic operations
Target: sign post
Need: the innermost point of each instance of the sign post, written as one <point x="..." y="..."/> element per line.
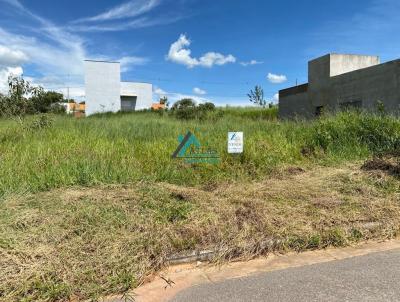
<point x="235" y="142"/>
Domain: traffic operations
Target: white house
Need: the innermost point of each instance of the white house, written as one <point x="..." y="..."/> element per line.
<point x="106" y="93"/>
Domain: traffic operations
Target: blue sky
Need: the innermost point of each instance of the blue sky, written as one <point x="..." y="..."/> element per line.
<point x="206" y="49"/>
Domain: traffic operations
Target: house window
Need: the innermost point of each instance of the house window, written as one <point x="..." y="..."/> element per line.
<point x="128" y="103"/>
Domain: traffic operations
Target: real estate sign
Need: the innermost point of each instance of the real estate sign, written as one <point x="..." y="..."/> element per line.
<point x="235" y="142"/>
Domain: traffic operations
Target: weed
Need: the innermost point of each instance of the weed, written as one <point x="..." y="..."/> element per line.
<point x="86" y="243"/>
<point x="109" y="149"/>
<point x="90" y="207"/>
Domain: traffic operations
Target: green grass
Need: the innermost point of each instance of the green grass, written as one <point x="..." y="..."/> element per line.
<point x="90" y="207"/>
<point x="85" y="243"/>
<point x="125" y="148"/>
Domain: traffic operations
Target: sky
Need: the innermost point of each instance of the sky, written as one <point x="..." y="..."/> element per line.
<point x="208" y="50"/>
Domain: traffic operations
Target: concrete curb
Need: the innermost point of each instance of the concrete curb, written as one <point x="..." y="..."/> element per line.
<point x="208" y="255"/>
<point x="188" y="275"/>
<point x="192" y="257"/>
<point x="267" y="245"/>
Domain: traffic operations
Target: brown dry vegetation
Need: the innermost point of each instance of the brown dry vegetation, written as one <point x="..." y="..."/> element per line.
<point x="82" y="243"/>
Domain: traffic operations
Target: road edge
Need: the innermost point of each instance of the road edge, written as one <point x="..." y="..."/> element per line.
<point x="169" y="282"/>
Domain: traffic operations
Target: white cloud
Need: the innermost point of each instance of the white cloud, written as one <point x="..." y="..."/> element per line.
<point x="5" y="72"/>
<point x="49" y="58"/>
<point x="134" y="24"/>
<point x="232" y="101"/>
<point x="176" y="96"/>
<point x="199" y="91"/>
<point x="128" y="9"/>
<point x="276" y="79"/>
<point x="252" y="62"/>
<point x="14" y="3"/>
<point x="56" y="53"/>
<point x="211" y="58"/>
<point x="57" y="50"/>
<point x="275" y="98"/>
<point x="132" y="14"/>
<point x="12" y="57"/>
<point x="128" y="62"/>
<point x="181" y="54"/>
<point x="159" y="91"/>
<point x="217" y="100"/>
<point x="76" y="93"/>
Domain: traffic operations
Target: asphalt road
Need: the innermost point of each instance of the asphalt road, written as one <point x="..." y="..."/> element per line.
<point x="375" y="277"/>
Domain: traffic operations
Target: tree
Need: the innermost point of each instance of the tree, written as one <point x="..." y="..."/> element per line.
<point x="207" y="106"/>
<point x="16" y="104"/>
<point x="44" y="101"/>
<point x="184" y="109"/>
<point x="187" y="109"/>
<point x="184" y="104"/>
<point x="164" y="101"/>
<point x="257" y="96"/>
<point x="23" y="99"/>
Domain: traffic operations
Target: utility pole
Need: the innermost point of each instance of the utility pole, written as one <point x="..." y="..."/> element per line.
<point x="68" y="87"/>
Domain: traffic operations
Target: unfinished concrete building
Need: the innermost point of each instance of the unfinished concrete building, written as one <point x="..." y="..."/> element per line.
<point x="106" y="93"/>
<point x="338" y="81"/>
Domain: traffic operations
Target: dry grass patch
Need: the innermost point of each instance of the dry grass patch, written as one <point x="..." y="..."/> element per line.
<point x="82" y="243"/>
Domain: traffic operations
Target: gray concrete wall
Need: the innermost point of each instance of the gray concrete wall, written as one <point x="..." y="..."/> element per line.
<point x="102" y="85"/>
<point x="318" y="80"/>
<point x="340" y="64"/>
<point x="369" y="85"/>
<point x="321" y="71"/>
<point x="337" y="80"/>
<point x="143" y="92"/>
<point x="295" y="105"/>
<point x="294" y="102"/>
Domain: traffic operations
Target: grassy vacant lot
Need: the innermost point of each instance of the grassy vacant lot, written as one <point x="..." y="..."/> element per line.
<point x="91" y="207"/>
<point x="136" y="147"/>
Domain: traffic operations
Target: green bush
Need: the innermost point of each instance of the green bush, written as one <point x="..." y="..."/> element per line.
<point x="186" y="109"/>
<point x="57" y="109"/>
<point x="47" y="101"/>
<point x="41" y="122"/>
<point x="352" y="130"/>
<point x="24" y="99"/>
<point x="184" y="104"/>
<point x="207" y="106"/>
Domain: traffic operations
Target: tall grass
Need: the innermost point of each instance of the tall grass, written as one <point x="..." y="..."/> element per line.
<point x="252" y="112"/>
<point x="131" y="147"/>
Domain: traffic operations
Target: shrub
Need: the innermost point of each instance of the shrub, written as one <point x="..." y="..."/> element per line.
<point x="57" y="109"/>
<point x="186" y="109"/>
<point x="207" y="106"/>
<point x="351" y="130"/>
<point x="41" y="122"/>
<point x="15" y="104"/>
<point x="23" y="99"/>
<point x="46" y="101"/>
<point x="184" y="104"/>
<point x="186" y="114"/>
